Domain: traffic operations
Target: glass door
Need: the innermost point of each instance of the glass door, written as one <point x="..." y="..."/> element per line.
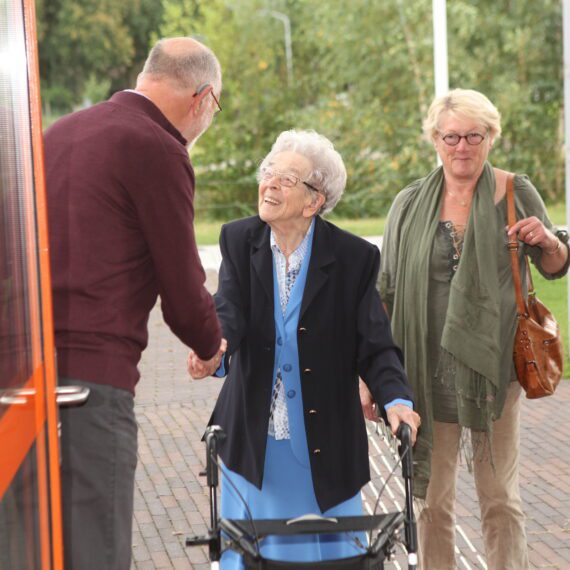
<point x="30" y="511"/>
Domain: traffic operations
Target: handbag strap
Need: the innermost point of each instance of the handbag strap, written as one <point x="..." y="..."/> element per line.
<point x="513" y="247"/>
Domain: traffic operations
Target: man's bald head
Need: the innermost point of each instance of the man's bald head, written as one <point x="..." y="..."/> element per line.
<point x="184" y="62"/>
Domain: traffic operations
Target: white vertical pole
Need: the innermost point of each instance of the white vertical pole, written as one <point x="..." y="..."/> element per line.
<point x="566" y="42"/>
<point x="440" y="47"/>
<point x="440" y="66"/>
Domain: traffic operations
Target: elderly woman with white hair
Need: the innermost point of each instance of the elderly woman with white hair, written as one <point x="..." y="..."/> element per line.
<point x="303" y="320"/>
<point x="447" y="283"/>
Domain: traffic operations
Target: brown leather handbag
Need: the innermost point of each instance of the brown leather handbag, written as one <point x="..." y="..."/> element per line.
<point x="537" y="350"/>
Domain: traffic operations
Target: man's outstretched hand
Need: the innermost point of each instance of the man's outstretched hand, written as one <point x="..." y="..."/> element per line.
<point x="198" y="368"/>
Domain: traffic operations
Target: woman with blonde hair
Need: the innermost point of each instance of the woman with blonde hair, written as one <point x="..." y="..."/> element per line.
<point x="447" y="284"/>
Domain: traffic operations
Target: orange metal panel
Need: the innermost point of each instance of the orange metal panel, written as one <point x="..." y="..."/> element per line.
<point x="25" y="423"/>
<point x="43" y="496"/>
<point x="19" y="428"/>
<point x="45" y="285"/>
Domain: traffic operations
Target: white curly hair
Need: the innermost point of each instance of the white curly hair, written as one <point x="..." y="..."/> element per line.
<point x="328" y="172"/>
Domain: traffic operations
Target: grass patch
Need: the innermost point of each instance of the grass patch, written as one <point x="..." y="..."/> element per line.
<point x="208" y="232"/>
<point x="363" y="227"/>
<point x="557" y="213"/>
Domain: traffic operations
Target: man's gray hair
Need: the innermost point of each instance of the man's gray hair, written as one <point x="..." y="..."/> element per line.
<point x="187" y="67"/>
<point x="328" y="173"/>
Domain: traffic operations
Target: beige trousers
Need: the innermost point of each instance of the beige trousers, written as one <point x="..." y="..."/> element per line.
<point x="498" y="492"/>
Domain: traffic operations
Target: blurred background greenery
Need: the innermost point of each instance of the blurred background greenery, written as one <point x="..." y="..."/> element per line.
<point x="361" y="73"/>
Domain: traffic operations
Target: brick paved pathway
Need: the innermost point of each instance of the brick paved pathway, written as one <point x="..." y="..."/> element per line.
<point x="171" y="501"/>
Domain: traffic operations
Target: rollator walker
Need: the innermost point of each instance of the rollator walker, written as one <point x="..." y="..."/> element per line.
<point x="244" y="535"/>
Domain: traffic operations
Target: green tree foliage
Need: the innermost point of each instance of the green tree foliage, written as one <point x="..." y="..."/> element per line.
<point x="512" y="51"/>
<point x="87" y="41"/>
<point x="362" y="75"/>
<point x="373" y="77"/>
<point x="256" y="99"/>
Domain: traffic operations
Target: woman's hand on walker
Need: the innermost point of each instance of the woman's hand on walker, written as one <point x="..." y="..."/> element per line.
<point x="399" y="413"/>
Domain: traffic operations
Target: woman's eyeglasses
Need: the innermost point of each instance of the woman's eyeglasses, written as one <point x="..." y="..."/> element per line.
<point x="473" y="139"/>
<point x="285" y="179"/>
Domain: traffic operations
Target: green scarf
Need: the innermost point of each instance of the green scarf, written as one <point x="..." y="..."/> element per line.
<point x="470" y="346"/>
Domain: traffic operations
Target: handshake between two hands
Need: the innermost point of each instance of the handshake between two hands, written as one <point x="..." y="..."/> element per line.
<point x="198" y="368"/>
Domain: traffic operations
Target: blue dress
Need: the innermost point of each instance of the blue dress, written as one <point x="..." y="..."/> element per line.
<point x="287" y="489"/>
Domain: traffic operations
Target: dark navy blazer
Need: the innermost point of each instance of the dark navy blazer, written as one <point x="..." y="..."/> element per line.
<point x="343" y="333"/>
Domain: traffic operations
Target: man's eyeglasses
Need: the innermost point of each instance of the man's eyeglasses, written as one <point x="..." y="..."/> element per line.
<point x="201" y="90"/>
<point x="285" y="179"/>
<point x="473" y="139"/>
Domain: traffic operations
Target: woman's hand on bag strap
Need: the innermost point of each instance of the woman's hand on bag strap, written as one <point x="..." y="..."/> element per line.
<point x="534" y="233"/>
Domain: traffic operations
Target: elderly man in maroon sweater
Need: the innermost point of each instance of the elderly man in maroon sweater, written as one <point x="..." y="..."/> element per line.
<point x="120" y="203"/>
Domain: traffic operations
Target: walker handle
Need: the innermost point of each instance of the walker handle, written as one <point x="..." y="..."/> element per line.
<point x="404" y="434"/>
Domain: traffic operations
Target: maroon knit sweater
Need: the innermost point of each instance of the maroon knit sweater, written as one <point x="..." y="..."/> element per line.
<point x="120" y="191"/>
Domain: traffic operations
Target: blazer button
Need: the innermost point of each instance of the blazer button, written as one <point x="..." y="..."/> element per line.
<point x="287" y="368"/>
<point x="291" y="394"/>
<point x="312" y="412"/>
<point x="307" y="371"/>
<point x="316" y="451"/>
